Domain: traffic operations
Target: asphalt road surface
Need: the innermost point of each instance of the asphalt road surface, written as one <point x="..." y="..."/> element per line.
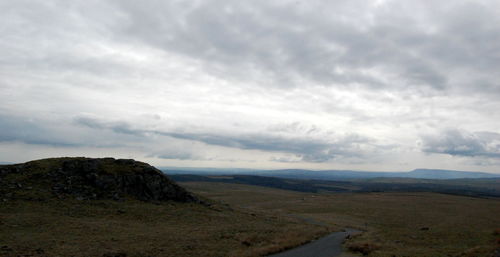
<point x="328" y="246"/>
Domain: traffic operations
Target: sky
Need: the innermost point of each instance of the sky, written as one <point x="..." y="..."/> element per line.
<point x="363" y="85"/>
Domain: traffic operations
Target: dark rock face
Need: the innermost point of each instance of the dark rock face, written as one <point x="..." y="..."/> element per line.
<point x="105" y="178"/>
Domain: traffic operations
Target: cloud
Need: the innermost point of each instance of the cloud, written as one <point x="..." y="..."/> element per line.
<point x="31" y="131"/>
<point x="175" y="155"/>
<point x="300" y="83"/>
<point x="309" y="149"/>
<point x="395" y="46"/>
<point x="117" y="127"/>
<point x="47" y="131"/>
<point x="461" y="143"/>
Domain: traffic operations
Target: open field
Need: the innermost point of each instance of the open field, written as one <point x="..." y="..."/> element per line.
<point x="466" y="187"/>
<point x="397" y="224"/>
<point x="134" y="228"/>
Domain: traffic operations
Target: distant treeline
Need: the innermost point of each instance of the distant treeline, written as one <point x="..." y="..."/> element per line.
<point x="472" y="188"/>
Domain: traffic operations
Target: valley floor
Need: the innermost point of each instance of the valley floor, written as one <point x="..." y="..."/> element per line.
<point x="251" y="221"/>
<point x="396" y="224"/>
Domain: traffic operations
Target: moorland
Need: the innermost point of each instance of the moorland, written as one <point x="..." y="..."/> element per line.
<point x="109" y="207"/>
<point x="394" y="223"/>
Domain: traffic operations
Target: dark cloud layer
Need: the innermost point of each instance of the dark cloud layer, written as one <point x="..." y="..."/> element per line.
<point x="30" y="131"/>
<point x="306" y="149"/>
<point x="59" y="133"/>
<point x="460" y="143"/>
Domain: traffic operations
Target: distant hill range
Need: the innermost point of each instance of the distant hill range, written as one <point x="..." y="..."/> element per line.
<point x="474" y="187"/>
<point x="334" y="174"/>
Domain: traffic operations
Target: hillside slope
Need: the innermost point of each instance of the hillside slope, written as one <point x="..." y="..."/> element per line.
<point x="115" y="208"/>
<point x="87" y="178"/>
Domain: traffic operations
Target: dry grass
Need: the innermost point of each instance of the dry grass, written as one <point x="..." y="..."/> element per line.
<point x="400" y="224"/>
<point x="133" y="229"/>
<point x="261" y="221"/>
<point x="364" y="248"/>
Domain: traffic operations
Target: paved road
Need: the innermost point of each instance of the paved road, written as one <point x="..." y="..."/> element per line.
<point x="328" y="246"/>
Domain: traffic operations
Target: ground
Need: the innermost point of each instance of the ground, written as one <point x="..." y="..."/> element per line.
<point x="250" y="221"/>
<point x="133" y="229"/>
<point x="396" y="224"/>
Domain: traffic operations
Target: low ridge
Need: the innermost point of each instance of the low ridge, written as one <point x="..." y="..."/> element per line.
<point x="87" y="179"/>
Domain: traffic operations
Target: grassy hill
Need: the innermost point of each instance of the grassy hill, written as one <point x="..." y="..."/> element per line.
<point x="108" y="207"/>
<point x="87" y="178"/>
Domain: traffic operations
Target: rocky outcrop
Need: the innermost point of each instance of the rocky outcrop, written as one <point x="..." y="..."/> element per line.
<point x="86" y="178"/>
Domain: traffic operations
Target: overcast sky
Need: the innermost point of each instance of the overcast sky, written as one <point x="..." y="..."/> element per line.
<point x="354" y="84"/>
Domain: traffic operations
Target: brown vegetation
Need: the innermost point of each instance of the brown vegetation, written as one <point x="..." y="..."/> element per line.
<point x="364" y="248"/>
<point x="122" y="208"/>
<point x="133" y="228"/>
<point x="395" y="222"/>
<point x="35" y="220"/>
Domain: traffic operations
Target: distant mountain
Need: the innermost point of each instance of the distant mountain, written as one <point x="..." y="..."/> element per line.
<point x="448" y="174"/>
<point x="489" y="187"/>
<point x="335" y="174"/>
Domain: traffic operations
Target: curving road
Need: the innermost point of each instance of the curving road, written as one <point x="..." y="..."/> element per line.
<point x="328" y="246"/>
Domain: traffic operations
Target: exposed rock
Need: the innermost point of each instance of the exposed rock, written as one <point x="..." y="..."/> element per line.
<point x="105" y="178"/>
